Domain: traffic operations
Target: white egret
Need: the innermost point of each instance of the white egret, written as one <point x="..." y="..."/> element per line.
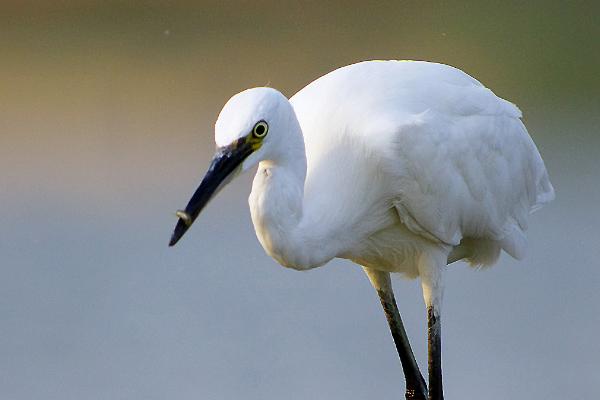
<point x="398" y="166"/>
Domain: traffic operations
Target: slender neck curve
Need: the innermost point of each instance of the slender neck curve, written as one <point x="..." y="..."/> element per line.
<point x="277" y="204"/>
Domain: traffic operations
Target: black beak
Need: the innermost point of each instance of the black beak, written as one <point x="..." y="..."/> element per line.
<point x="220" y="172"/>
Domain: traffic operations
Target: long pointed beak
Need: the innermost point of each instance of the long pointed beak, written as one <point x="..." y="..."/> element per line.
<point x="221" y="170"/>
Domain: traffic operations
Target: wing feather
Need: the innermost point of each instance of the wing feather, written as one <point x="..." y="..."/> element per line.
<point x="457" y="161"/>
<point x="466" y="168"/>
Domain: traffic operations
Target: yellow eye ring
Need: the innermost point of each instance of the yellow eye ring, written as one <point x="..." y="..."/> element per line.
<point x="260" y="129"/>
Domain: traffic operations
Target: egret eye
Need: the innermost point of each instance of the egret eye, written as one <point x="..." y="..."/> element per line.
<point x="260" y="129"/>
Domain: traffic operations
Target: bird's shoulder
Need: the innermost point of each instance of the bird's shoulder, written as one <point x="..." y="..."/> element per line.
<point x="367" y="97"/>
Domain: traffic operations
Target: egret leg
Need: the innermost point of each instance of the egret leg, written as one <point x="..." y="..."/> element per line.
<point x="430" y="270"/>
<point x="434" y="342"/>
<point x="416" y="389"/>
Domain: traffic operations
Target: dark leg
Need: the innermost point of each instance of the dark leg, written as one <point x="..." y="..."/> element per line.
<point x="434" y="341"/>
<point x="416" y="389"/>
<point x="415" y="384"/>
<point x="431" y="267"/>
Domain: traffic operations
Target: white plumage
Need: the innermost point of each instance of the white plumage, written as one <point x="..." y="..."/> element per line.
<point x="398" y="166"/>
<point x="453" y="159"/>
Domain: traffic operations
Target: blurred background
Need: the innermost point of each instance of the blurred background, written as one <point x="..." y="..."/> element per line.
<point x="106" y="122"/>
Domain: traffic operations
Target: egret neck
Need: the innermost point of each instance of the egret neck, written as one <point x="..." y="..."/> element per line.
<point x="276" y="205"/>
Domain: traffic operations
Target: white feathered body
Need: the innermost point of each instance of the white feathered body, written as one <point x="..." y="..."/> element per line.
<point x="406" y="156"/>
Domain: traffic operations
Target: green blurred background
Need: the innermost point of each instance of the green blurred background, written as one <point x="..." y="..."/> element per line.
<point x="106" y="118"/>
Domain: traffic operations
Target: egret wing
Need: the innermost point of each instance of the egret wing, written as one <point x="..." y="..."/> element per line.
<point x="454" y="159"/>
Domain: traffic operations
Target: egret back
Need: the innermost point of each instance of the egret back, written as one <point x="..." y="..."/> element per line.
<point x="425" y="139"/>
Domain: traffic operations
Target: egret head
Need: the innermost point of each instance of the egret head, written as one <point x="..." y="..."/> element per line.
<point x="249" y="129"/>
